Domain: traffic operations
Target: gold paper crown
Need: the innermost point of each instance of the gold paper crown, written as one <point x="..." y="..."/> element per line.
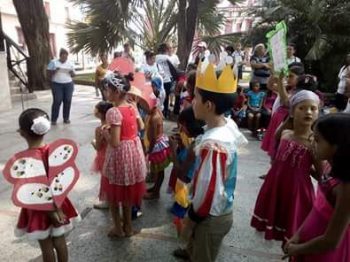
<point x="207" y="80"/>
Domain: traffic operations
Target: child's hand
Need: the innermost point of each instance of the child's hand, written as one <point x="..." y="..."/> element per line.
<point x="93" y="143"/>
<point x="290" y="247"/>
<point x="57" y="217"/>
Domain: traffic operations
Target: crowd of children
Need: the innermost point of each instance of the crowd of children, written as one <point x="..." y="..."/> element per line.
<point x="130" y="144"/>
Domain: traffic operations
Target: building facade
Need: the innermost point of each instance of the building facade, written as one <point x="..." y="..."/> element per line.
<point x="238" y="16"/>
<point x="59" y="13"/>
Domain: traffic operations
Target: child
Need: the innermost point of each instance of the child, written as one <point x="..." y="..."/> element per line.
<point x="100" y="145"/>
<point x="255" y="103"/>
<point x="210" y="214"/>
<point x="239" y="107"/>
<point x="157" y="147"/>
<point x="280" y="108"/>
<point x="325" y="234"/>
<point x="187" y="96"/>
<point x="286" y="197"/>
<point x="125" y="166"/>
<point x="268" y="103"/>
<point x="184" y="162"/>
<point x="48" y="227"/>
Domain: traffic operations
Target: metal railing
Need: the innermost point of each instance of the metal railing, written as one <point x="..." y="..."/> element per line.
<point x="16" y="60"/>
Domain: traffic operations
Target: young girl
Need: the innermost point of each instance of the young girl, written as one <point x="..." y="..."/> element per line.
<point x="254" y="103"/>
<point x="48" y="227"/>
<point x="125" y="166"/>
<point x="280" y="108"/>
<point x="100" y="144"/>
<point x="239" y="107"/>
<point x="325" y="234"/>
<point x="286" y="197"/>
<point x="157" y="147"/>
<point x="187" y="96"/>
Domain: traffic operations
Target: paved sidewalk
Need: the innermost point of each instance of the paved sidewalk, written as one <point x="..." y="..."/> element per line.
<point x="89" y="241"/>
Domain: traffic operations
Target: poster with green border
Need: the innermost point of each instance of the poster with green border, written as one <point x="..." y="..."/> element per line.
<point x="277" y="47"/>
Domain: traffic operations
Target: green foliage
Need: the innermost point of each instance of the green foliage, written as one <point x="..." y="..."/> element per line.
<point x="145" y="23"/>
<point x="319" y="28"/>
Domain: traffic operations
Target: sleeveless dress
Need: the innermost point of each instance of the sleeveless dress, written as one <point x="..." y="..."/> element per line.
<point x="268" y="143"/>
<point x="287" y="194"/>
<point x="125" y="166"/>
<point x="97" y="168"/>
<point x="37" y="225"/>
<point x="317" y="222"/>
<point x="160" y="157"/>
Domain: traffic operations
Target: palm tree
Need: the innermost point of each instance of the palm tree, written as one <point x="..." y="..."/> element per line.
<point x="146" y="23"/>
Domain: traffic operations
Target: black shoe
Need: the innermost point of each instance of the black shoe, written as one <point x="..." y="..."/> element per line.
<point x="66" y="121"/>
<point x="53" y="123"/>
<point x="181" y="253"/>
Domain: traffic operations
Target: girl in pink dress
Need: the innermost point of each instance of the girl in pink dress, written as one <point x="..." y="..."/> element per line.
<point x="100" y="144"/>
<point x="286" y="197"/>
<point x="280" y="109"/>
<point x="48" y="227"/>
<point x="125" y="166"/>
<point x="325" y="234"/>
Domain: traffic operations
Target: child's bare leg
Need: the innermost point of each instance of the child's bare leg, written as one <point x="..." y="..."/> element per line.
<point x="250" y="121"/>
<point x="116" y="231"/>
<point x="47" y="250"/>
<point x="61" y="248"/>
<point x="127" y="226"/>
<point x="257" y="121"/>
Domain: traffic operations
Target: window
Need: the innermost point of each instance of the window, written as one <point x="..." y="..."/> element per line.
<point x="228" y="27"/>
<point x="238" y="26"/>
<point x="66" y="9"/>
<point x="20" y="38"/>
<point x="53" y="45"/>
<point x="47" y="9"/>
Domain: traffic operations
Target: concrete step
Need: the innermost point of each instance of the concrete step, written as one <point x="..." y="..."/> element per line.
<point x="24" y="96"/>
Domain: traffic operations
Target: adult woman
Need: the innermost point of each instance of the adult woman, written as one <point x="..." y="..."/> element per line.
<point x="162" y="60"/>
<point x="60" y="72"/>
<point x="344" y="80"/>
<point x="100" y="74"/>
<point x="261" y="69"/>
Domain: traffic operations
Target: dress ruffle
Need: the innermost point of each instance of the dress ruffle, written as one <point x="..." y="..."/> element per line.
<point x="160" y="157"/>
<point x="131" y="195"/>
<point x="36" y="225"/>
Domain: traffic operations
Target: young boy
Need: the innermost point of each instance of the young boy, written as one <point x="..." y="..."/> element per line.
<point x="210" y="214"/>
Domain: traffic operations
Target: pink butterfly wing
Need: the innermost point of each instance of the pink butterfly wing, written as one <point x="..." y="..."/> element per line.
<point x="63" y="173"/>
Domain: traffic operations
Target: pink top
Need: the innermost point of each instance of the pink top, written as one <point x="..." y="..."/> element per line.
<point x="126" y="118"/>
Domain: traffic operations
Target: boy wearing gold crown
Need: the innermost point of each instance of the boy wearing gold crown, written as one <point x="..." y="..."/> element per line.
<point x="210" y="214"/>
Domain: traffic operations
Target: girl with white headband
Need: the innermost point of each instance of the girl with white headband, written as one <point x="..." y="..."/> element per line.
<point x="286" y="197"/>
<point x="36" y="222"/>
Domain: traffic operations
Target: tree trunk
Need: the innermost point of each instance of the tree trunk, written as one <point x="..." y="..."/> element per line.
<point x="186" y="29"/>
<point x="35" y="27"/>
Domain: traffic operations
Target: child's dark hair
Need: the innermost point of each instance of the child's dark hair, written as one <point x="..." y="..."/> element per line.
<point x="193" y="125"/>
<point x="149" y="54"/>
<point x="297" y="68"/>
<point x="307" y="82"/>
<point x="222" y="102"/>
<point x="191" y="80"/>
<point x="255" y="83"/>
<point x="102" y="107"/>
<point x="335" y="129"/>
<point x="116" y="81"/>
<point x="26" y="121"/>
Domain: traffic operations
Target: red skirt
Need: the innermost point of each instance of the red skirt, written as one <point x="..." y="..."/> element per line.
<point x="37" y="225"/>
<point x="127" y="195"/>
<point x="102" y="196"/>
